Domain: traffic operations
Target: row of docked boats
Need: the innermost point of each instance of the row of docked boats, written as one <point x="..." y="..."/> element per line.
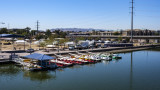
<point x="37" y="61"/>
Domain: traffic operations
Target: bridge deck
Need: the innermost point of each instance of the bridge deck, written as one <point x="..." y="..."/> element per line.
<point x="117" y="36"/>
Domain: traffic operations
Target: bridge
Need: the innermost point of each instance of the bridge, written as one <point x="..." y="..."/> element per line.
<point x="115" y="36"/>
<point x="144" y="39"/>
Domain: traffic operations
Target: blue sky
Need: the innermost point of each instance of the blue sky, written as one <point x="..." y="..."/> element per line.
<point x="98" y="14"/>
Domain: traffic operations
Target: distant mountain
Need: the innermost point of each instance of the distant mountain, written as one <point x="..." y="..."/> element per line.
<point x="76" y="29"/>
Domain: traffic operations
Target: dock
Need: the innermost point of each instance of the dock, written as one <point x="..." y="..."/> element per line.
<point x="5" y="57"/>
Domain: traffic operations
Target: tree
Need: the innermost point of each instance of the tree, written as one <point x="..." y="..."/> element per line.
<point x="62" y="41"/>
<point x="48" y="33"/>
<point x="33" y="32"/>
<point x="109" y="39"/>
<point x="94" y="32"/>
<point x="40" y="36"/>
<point x="11" y="32"/>
<point x="156" y="33"/>
<point x="27" y="32"/>
<point x="97" y="38"/>
<point x="116" y="33"/>
<point x="4" y="31"/>
<point x="120" y="38"/>
<point x="59" y="34"/>
<point x="50" y="40"/>
<point x="127" y="39"/>
<point x="27" y="29"/>
<point x="78" y="39"/>
<point x="42" y="45"/>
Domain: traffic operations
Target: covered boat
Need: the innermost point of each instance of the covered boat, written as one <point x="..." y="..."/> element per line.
<point x="42" y="62"/>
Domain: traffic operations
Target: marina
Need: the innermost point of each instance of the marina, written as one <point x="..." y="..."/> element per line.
<point x="126" y="73"/>
<point x="79" y="45"/>
<point x="36" y="61"/>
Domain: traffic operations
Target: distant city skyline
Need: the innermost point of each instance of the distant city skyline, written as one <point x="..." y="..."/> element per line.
<point x="97" y="14"/>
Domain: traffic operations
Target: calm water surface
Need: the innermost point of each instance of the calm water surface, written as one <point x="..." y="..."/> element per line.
<point x="138" y="70"/>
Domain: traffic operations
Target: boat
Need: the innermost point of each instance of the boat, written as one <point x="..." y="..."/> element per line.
<point x="74" y="60"/>
<point x="36" y="62"/>
<point x="87" y="58"/>
<point x="60" y="63"/>
<point x="116" y="56"/>
<point x="105" y="57"/>
<point x="95" y="57"/>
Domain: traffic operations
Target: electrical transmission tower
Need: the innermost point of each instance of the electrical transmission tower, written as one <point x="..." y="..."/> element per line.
<point x="132" y="12"/>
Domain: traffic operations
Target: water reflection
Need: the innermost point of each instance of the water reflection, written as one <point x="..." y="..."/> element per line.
<point x="116" y="61"/>
<point x="108" y="62"/>
<point x="75" y="67"/>
<point x="9" y="69"/>
<point x="91" y="65"/>
<point x="105" y="62"/>
<point x="138" y="70"/>
<point x="40" y="76"/>
<point x="131" y="71"/>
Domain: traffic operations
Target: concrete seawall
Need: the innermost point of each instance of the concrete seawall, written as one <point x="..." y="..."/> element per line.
<point x="120" y="49"/>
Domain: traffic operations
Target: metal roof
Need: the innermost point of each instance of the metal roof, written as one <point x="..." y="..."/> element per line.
<point x="10" y="36"/>
<point x="40" y="57"/>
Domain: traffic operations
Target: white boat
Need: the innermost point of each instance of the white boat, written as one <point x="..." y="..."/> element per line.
<point x="105" y="57"/>
<point x="95" y="57"/>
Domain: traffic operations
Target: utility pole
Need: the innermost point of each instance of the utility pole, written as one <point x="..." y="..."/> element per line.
<point x="132" y="12"/>
<point x="38" y="32"/>
<point x="37" y="26"/>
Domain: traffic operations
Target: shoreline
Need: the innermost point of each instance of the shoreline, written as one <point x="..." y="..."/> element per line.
<point x="108" y="50"/>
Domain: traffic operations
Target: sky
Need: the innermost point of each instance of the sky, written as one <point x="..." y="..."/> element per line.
<point x="97" y="14"/>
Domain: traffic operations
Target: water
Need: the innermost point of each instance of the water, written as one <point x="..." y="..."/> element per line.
<point x="138" y="70"/>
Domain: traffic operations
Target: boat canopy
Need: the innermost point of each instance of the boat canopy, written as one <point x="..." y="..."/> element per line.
<point x="41" y="57"/>
<point x="10" y="36"/>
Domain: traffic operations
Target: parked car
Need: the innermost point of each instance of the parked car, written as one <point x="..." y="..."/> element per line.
<point x="104" y="46"/>
<point x="71" y="47"/>
<point x="78" y="47"/>
<point x="98" y="46"/>
<point x="30" y="50"/>
<point x="92" y="46"/>
<point x="85" y="47"/>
